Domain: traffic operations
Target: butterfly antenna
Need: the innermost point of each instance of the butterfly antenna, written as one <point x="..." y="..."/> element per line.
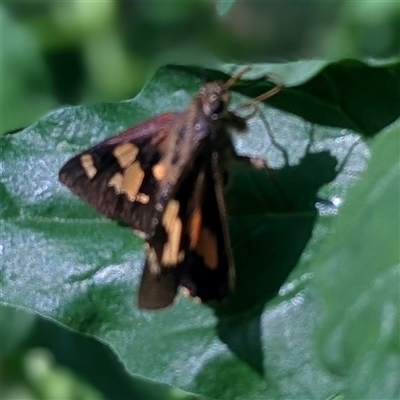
<point x="264" y="96"/>
<point x="237" y="76"/>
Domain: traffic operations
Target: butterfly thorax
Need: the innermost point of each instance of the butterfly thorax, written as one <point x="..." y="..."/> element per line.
<point x="203" y="128"/>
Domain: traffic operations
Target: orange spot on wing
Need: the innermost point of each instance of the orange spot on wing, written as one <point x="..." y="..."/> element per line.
<point x="207" y="247"/>
<point x="142" y="198"/>
<point x="116" y="182"/>
<point x="88" y="165"/>
<point x="159" y="171"/>
<point x="133" y="178"/>
<point x="125" y="154"/>
<point x="194" y="226"/>
<point x="173" y="226"/>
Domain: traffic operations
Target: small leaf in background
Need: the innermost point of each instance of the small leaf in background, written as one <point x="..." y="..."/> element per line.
<point x="358" y="276"/>
<point x="223" y="6"/>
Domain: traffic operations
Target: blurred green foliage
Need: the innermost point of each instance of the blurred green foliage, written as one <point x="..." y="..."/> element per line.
<point x="360" y="334"/>
<point x="75" y="51"/>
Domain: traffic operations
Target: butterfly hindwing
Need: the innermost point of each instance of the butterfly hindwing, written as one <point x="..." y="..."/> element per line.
<point x="190" y="247"/>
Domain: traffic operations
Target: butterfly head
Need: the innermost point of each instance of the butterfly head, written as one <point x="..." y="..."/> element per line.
<point x="215" y="99"/>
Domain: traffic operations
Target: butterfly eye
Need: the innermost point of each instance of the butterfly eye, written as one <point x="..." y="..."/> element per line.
<point x="218" y="107"/>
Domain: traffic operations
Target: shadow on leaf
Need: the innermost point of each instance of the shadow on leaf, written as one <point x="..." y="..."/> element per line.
<point x="268" y="235"/>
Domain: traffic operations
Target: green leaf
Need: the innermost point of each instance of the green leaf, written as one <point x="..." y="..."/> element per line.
<point x="346" y="94"/>
<point x="69" y="264"/>
<point x="358" y="274"/>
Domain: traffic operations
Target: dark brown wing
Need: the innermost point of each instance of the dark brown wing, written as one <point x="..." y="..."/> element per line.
<point x="116" y="176"/>
<point x="190" y="247"/>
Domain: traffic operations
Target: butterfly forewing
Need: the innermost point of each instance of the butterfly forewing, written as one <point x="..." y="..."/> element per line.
<point x="117" y="177"/>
